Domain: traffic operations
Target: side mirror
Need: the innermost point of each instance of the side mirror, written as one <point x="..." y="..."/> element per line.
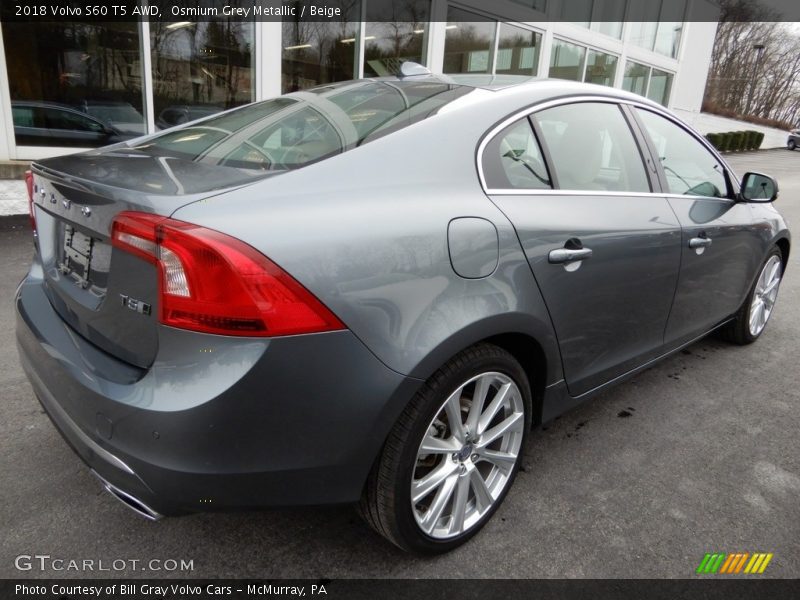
<point x="758" y="188"/>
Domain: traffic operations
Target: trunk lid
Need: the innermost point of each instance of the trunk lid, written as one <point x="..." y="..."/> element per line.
<point x="110" y="297"/>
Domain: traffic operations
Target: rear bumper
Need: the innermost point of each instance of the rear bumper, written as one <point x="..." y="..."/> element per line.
<point x="216" y="422"/>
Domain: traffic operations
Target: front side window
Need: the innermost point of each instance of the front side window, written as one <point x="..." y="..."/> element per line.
<point x="513" y="160"/>
<point x="688" y="165"/>
<point x="592" y="148"/>
<point x="61" y="119"/>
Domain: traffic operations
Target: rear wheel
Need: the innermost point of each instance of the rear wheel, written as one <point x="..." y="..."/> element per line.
<point x="791" y="145"/>
<point x="752" y="317"/>
<point x="453" y="454"/>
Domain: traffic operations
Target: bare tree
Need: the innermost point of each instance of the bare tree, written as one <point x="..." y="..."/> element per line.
<point x="755" y="66"/>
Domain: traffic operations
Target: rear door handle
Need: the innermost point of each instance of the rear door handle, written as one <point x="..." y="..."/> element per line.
<point x="700" y="242"/>
<point x="568" y="255"/>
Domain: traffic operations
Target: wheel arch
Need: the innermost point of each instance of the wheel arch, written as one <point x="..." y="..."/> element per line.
<point x="784" y="245"/>
<point x="530" y="341"/>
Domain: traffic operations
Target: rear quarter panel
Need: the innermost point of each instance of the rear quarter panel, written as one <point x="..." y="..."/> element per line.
<point x="366" y="231"/>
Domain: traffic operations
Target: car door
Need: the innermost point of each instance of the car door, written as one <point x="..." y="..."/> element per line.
<point x="29" y="129"/>
<point x="604" y="249"/>
<point x="70" y="128"/>
<point x="721" y="251"/>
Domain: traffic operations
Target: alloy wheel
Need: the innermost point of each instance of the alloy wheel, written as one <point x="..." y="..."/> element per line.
<point x="764" y="295"/>
<point x="468" y="455"/>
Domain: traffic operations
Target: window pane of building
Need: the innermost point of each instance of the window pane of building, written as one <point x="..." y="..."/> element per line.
<point x="600" y="68"/>
<point x="660" y="86"/>
<point x="643" y="17"/>
<point x="670" y="27"/>
<point x="578" y="12"/>
<point x="610" y="28"/>
<point x="517" y="51"/>
<point x="636" y="76"/>
<point x="468" y="43"/>
<point x="74" y="84"/>
<point x="540" y="5"/>
<point x="566" y="61"/>
<point x="200" y="68"/>
<point x="320" y="52"/>
<point x="395" y="32"/>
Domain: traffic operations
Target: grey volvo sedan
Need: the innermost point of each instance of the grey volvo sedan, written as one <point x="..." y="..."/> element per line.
<point x="369" y="292"/>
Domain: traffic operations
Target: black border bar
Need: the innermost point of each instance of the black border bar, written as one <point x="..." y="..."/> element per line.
<point x="709" y="588"/>
<point x="21" y="11"/>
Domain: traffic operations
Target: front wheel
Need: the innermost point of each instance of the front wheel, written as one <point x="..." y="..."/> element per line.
<point x="791" y="145"/>
<point x="453" y="454"/>
<point x="752" y="317"/>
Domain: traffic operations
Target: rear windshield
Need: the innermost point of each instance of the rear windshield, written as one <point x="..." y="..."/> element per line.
<point x="296" y="130"/>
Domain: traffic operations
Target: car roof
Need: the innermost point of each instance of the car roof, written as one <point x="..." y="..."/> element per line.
<point x="542" y="86"/>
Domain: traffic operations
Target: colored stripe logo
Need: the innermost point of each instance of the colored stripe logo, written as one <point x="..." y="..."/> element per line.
<point x="734" y="563"/>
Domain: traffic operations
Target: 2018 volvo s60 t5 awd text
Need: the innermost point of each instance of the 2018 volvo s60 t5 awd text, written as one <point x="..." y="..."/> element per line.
<point x="368" y="292"/>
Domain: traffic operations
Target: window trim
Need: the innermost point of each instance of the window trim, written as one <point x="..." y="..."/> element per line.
<point x="646" y="151"/>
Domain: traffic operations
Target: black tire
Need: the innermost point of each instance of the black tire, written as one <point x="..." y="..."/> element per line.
<point x="737" y="331"/>
<point x="386" y="501"/>
<point x="791" y="145"/>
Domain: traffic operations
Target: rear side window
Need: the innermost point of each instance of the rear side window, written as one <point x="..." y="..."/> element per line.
<point x="689" y="167"/>
<point x="513" y="160"/>
<point x="592" y="148"/>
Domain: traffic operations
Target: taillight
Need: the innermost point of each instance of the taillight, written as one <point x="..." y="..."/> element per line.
<point x="214" y="283"/>
<point x="29" y="185"/>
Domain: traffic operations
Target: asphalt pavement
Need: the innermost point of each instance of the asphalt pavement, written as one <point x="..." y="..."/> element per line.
<point x="698" y="454"/>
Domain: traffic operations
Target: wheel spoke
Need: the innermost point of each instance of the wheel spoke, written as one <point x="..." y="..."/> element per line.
<point x="512" y="423"/>
<point x="434" y="512"/>
<point x="773" y="274"/>
<point x="491" y="410"/>
<point x="482" y="387"/>
<point x="453" y="409"/>
<point x="420" y="488"/>
<point x="483" y="499"/>
<point x="502" y="460"/>
<point x="754" y="310"/>
<point x="434" y="445"/>
<point x="772" y="285"/>
<point x="460" y="505"/>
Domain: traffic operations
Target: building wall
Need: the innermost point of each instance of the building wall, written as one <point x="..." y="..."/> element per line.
<point x="192" y="66"/>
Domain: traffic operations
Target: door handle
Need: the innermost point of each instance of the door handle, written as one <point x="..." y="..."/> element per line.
<point x="568" y="255"/>
<point x="700" y="242"/>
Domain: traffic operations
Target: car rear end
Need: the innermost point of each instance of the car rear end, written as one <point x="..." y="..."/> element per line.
<point x="188" y="370"/>
<point x="185" y="368"/>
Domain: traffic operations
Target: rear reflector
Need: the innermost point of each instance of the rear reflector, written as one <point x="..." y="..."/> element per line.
<point x="213" y="283"/>
<point x="29" y="185"/>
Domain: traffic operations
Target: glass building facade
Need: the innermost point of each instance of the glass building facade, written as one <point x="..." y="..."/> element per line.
<point x="72" y="84"/>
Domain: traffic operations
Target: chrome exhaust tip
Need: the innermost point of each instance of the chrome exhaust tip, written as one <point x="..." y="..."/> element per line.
<point x="132" y="502"/>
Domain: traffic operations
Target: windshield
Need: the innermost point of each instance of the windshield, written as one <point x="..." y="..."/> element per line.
<point x="299" y="129"/>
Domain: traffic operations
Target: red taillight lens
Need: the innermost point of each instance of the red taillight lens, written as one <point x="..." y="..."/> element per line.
<point x="29" y="185"/>
<point x="214" y="283"/>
